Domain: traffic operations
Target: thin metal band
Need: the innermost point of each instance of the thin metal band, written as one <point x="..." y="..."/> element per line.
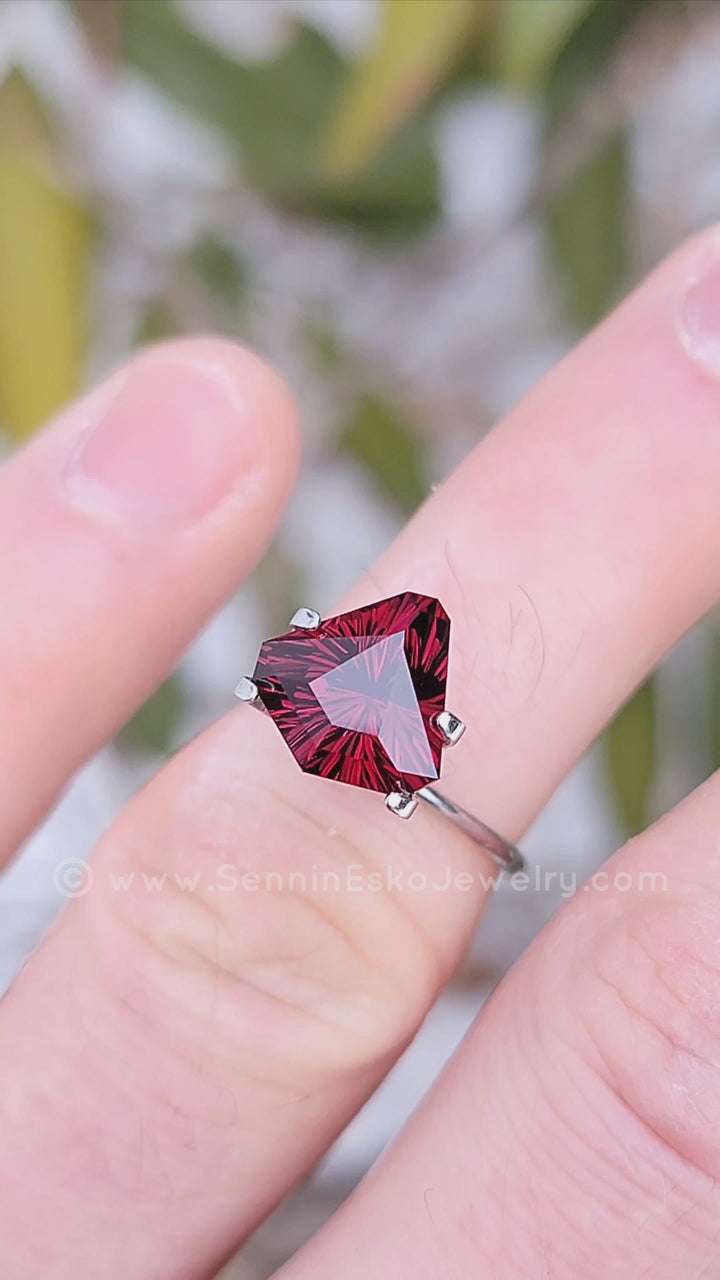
<point x="503" y="853"/>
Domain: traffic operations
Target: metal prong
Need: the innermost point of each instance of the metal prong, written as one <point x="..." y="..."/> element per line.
<point x="308" y="619"/>
<point x="247" y="690"/>
<point x="401" y="803"/>
<point x="451" y="728"/>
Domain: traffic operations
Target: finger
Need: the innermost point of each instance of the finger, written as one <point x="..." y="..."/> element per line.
<point x="577" y="1133"/>
<point x="570" y="550"/>
<point x="122" y="528"/>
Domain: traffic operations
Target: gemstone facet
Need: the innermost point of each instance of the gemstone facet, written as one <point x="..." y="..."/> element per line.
<point x="357" y="698"/>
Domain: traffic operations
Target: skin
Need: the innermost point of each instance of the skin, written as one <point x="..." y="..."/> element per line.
<point x="172" y="1063"/>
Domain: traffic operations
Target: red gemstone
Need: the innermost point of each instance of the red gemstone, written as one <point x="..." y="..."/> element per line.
<point x="356" y="699"/>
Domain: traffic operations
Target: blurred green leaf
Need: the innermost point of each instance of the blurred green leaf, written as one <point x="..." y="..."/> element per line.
<point x="276" y="113"/>
<point x="587" y="52"/>
<point x="530" y="34"/>
<point x="272" y="110"/>
<point x="416" y="47"/>
<point x="321" y="341"/>
<point x="396" y="196"/>
<point x="44" y="268"/>
<point x="154" y="726"/>
<point x="385" y="443"/>
<point x="714" y="641"/>
<point x="588" y="231"/>
<point x="219" y="268"/>
<point x="631" y="757"/>
<point x="156" y="323"/>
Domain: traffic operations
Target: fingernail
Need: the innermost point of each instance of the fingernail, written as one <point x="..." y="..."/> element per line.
<point x="700" y="317"/>
<point x="162" y="445"/>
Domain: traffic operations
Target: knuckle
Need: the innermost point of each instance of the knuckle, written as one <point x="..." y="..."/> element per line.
<point x="258" y="955"/>
<point x="648" y="998"/>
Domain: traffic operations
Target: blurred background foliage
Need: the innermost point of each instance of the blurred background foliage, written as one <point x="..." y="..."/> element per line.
<point x="413" y="207"/>
<point x="338" y="137"/>
<point x="326" y="136"/>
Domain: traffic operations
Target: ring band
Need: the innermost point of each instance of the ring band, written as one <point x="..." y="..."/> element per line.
<point x="360" y="699"/>
<point x="507" y="855"/>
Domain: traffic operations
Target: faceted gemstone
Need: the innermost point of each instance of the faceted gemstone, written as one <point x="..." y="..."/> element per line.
<point x="356" y="699"/>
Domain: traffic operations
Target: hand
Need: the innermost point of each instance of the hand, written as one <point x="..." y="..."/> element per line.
<point x="173" y="1062"/>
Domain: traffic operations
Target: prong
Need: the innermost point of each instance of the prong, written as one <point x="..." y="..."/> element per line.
<point x="451" y="727"/>
<point x="401" y="803"/>
<point x="247" y="690"/>
<point x="307" y="619"/>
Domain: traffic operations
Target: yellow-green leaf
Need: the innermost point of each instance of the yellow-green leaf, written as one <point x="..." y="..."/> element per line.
<point x="530" y="35"/>
<point x="631" y="756"/>
<point x="44" y="258"/>
<point x="416" y="46"/>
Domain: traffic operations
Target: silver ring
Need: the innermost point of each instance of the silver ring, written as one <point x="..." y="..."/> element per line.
<point x="360" y="698"/>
